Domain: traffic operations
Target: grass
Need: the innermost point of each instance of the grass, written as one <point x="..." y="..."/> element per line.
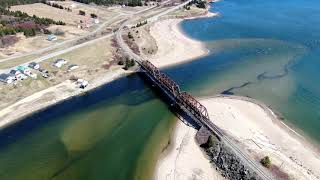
<point x="90" y="59"/>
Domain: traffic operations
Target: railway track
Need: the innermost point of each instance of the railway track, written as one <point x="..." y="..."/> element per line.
<point x="193" y="108"/>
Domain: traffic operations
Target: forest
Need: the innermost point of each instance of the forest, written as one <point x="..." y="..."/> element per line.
<point x="12" y="22"/>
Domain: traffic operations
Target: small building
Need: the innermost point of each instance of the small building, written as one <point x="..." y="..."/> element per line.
<point x="72" y="67"/>
<point x="30" y="74"/>
<point x="21" y="76"/>
<point x="15" y="72"/>
<point x="52" y="37"/>
<point x="60" y="62"/>
<point x="34" y="65"/>
<point x="82" y="83"/>
<point x="23" y="69"/>
<point x="7" y="78"/>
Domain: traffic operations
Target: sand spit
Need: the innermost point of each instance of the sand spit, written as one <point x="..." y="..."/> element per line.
<point x="173" y="46"/>
<point x="260" y="133"/>
<point x="184" y="159"/>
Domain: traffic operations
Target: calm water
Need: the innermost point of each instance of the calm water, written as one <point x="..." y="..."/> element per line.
<point x="268" y="50"/>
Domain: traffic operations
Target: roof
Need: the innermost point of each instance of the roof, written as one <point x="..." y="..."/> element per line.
<point x="51" y="36"/>
<point x="13" y="71"/>
<point x="33" y="64"/>
<point x="4" y="76"/>
<point x="72" y="65"/>
<point x="21" y="68"/>
<point x="59" y="60"/>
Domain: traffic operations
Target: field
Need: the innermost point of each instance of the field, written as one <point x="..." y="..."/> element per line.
<point x="93" y="61"/>
<point x="45" y="11"/>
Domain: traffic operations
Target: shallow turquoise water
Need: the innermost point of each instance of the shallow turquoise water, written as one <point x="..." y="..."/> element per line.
<point x="271" y="48"/>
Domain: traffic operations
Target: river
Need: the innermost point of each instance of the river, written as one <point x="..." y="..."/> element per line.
<point x="268" y="50"/>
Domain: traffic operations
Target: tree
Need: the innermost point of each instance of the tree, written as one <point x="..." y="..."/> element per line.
<point x="93" y="15"/>
<point x="130" y="35"/>
<point x="266" y="162"/>
<point x="82" y="13"/>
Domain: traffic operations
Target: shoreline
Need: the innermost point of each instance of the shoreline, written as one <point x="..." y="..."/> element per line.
<point x="174" y="160"/>
<point x="70" y="90"/>
<point x="175" y="39"/>
<point x="291" y="152"/>
<point x="275" y="117"/>
<point x="67" y="90"/>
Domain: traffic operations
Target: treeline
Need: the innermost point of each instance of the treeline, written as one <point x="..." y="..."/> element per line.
<point x="17" y="21"/>
<point x="55" y="5"/>
<point x="111" y="2"/>
<point x="8" y="3"/>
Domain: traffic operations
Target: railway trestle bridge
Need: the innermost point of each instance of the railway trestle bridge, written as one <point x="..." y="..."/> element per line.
<point x="181" y="100"/>
<point x="195" y="111"/>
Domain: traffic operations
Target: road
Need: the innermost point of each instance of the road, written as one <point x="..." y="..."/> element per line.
<point x="56" y="45"/>
<point x="207" y="123"/>
<point x="57" y="53"/>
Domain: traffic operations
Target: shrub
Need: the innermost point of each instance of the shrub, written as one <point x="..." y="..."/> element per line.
<point x="129" y="63"/>
<point x="58" y="32"/>
<point x="266" y="162"/>
<point x="121" y="62"/>
<point x="93" y="16"/>
<point x="82" y="13"/>
<point x="130" y="35"/>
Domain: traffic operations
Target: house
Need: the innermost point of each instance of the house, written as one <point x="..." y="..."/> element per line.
<point x="72" y="67"/>
<point x="18" y="75"/>
<point x="34" y="65"/>
<point x="59" y="63"/>
<point x="82" y="83"/>
<point x="23" y="69"/>
<point x="21" y="76"/>
<point x="7" y="78"/>
<point x="30" y="74"/>
<point x="52" y="37"/>
<point x="15" y="72"/>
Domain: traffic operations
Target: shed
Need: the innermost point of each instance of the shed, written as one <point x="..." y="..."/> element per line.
<point x="60" y="62"/>
<point x="15" y="72"/>
<point x="52" y="37"/>
<point x="72" y="67"/>
<point x="34" y="65"/>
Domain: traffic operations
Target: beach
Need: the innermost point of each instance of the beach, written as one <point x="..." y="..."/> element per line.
<point x="253" y="125"/>
<point x="184" y="159"/>
<point x="258" y="130"/>
<point x="173" y="46"/>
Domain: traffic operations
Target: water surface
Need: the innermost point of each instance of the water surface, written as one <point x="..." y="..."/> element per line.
<point x="268" y="50"/>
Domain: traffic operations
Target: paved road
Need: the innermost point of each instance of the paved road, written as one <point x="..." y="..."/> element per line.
<point x="57" y="53"/>
<point x="56" y="45"/>
<point x="243" y="156"/>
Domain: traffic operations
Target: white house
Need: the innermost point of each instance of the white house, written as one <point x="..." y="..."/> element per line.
<point x="34" y="65"/>
<point x="60" y="62"/>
